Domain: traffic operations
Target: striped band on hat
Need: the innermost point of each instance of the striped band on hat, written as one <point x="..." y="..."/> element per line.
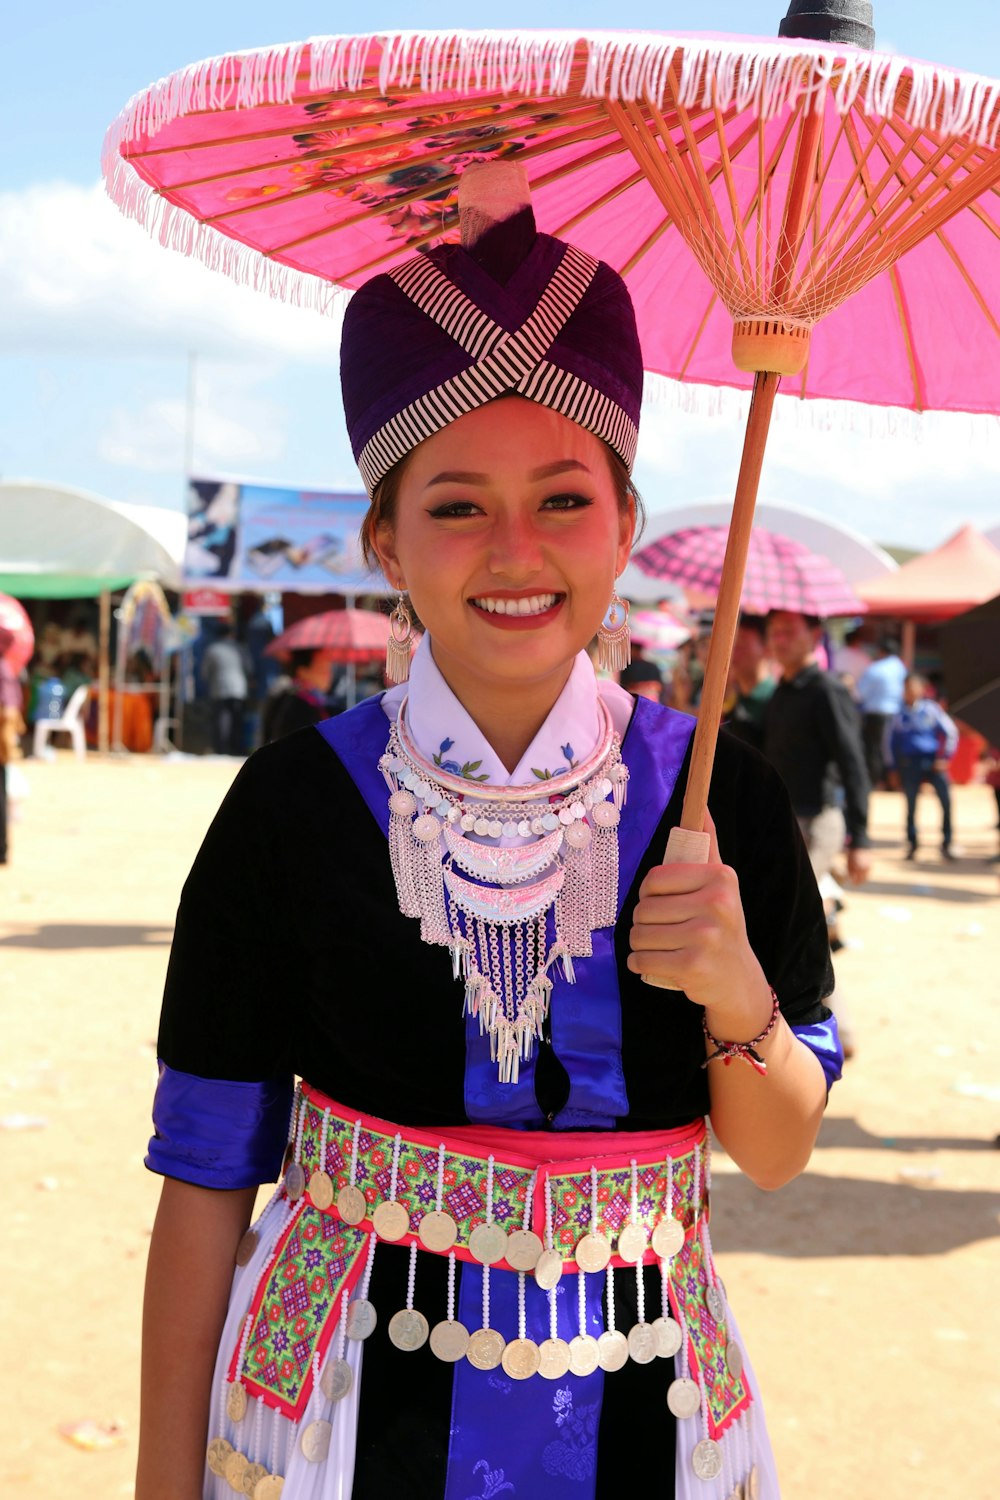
<point x="503" y="363"/>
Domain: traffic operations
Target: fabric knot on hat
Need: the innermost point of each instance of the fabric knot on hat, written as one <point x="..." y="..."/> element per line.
<point x="515" y="313"/>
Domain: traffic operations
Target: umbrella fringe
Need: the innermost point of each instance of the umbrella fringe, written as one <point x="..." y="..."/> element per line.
<point x="755" y="74"/>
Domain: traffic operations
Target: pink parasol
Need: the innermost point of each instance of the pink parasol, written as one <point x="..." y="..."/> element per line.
<point x="14" y="619"/>
<point x="780" y="573"/>
<point x="746" y="188"/>
<point x="658" y="629"/>
<point x="352" y="635"/>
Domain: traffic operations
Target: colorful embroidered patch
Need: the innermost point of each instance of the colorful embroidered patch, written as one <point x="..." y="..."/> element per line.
<point x="726" y="1396"/>
<point x="296" y="1305"/>
<point x="572" y="1194"/>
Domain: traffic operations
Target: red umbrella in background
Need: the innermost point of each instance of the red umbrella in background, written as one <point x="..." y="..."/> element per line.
<point x="355" y="636"/>
<point x="780" y="573"/>
<point x="14" y="618"/>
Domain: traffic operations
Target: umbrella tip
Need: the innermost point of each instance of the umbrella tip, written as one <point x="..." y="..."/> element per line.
<point x="848" y="21"/>
<point x="489" y="193"/>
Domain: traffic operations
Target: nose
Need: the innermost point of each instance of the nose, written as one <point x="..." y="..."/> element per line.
<point x="515" y="548"/>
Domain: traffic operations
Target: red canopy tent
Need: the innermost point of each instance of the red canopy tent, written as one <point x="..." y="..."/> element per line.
<point x="963" y="572"/>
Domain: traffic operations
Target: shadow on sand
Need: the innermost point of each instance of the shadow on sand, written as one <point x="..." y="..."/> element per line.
<point x="65" y="935"/>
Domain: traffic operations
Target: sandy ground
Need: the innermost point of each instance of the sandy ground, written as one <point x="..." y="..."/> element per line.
<point x="876" y="1267"/>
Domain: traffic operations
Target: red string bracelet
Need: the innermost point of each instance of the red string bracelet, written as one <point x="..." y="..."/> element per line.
<point x="743" y="1050"/>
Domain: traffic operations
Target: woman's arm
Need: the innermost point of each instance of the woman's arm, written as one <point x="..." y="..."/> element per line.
<point x="690" y="933"/>
<point x="188" y="1278"/>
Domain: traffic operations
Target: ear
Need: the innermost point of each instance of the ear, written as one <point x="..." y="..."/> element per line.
<point x="384" y="543"/>
<point x="626" y="536"/>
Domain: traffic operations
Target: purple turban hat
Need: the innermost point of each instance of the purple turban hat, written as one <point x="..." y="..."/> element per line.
<point x="508" y="311"/>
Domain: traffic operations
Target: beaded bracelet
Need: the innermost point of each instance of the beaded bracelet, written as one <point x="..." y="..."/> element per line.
<point x="743" y="1050"/>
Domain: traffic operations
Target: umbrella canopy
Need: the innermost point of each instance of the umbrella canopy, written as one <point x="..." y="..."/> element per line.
<point x="970" y="655"/>
<point x="298" y="166"/>
<point x="351" y="635"/>
<point x="962" y="572"/>
<point x="658" y="629"/>
<point x="780" y="573"/>
<point x="17" y="639"/>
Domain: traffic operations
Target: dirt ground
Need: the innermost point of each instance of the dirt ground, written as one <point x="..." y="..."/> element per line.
<point x="877" y="1267"/>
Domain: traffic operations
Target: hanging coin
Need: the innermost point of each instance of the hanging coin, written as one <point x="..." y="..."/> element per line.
<point x="668" y="1237"/>
<point x="449" y="1340"/>
<point x="236" y="1402"/>
<point x="683" y="1397"/>
<point x="734" y="1359"/>
<point x="352" y="1205"/>
<point x="738" y="1492"/>
<point x="438" y="1231"/>
<point x="548" y="1270"/>
<point x="361" y="1319"/>
<point x="391" y="1220"/>
<point x="408" y="1329"/>
<point x="321" y="1190"/>
<point x="642" y="1343"/>
<point x="714" y="1303"/>
<point x="553" y="1359"/>
<point x="315" y="1441"/>
<point x="521" y="1359"/>
<point x="583" y="1354"/>
<point x="485" y="1349"/>
<point x="752" y="1485"/>
<point x="218" y="1452"/>
<point x="632" y="1243"/>
<point x="706" y="1459"/>
<point x="592" y="1252"/>
<point x="295" y="1182"/>
<point x="668" y="1337"/>
<point x="612" y="1349"/>
<point x="488" y="1244"/>
<point x="236" y="1466"/>
<point x="524" y="1250"/>
<point x="269" y="1488"/>
<point x="252" y="1476"/>
<point x="336" y="1379"/>
<point x="246" y="1247"/>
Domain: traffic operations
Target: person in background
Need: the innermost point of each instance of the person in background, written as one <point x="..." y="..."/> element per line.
<point x="300" y="699"/>
<point x="879" y="694"/>
<point x="852" y="659"/>
<point x="922" y="740"/>
<point x="223" y="671"/>
<point x="74" y="670"/>
<point x="752" y="677"/>
<point x="812" y="736"/>
<point x="11" y="729"/>
<point x="643" y="678"/>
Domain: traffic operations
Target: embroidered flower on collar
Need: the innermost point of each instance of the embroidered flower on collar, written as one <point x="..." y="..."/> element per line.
<point x="452" y="766"/>
<point x="571" y="765"/>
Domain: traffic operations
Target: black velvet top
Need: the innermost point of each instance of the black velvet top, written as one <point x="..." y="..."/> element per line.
<point x="291" y="956"/>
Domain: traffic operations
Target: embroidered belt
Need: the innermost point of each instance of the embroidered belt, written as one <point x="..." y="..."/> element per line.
<point x="588" y="1199"/>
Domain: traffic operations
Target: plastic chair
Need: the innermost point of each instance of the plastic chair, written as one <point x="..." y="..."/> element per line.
<point x="162" y="742"/>
<point x="71" y="723"/>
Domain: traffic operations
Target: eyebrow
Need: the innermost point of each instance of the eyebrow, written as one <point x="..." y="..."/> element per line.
<point x="547" y="471"/>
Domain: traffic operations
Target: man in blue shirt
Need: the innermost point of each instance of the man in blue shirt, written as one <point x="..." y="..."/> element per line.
<point x="922" y="741"/>
<point x="879" y="694"/>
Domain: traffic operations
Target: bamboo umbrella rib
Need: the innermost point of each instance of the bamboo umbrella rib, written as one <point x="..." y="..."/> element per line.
<point x="568" y="225"/>
<point x="696" y="340"/>
<point x="973" y="208"/>
<point x="967" y="278"/>
<point x="638" y="144"/>
<point x="948" y="206"/>
<point x="647" y="244"/>
<point x="851" y="185"/>
<point x="726" y="167"/>
<point x="903" y="313"/>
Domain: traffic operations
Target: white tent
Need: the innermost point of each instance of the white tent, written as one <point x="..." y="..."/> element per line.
<point x="857" y="558"/>
<point x="63" y="543"/>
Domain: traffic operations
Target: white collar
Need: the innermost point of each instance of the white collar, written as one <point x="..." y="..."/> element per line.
<point x="444" y="732"/>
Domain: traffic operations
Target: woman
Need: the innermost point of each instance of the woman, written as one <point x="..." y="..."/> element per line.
<point x="478" y="1207"/>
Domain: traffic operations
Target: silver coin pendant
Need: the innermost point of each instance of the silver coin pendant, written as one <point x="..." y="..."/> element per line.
<point x="437" y="1231"/>
<point x="218" y="1452"/>
<point x="715" y="1303"/>
<point x="449" y="1340"/>
<point x="352" y="1206"/>
<point x="408" y="1329"/>
<point x="592" y="1252"/>
<point x="632" y="1243"/>
<point x="734" y="1359"/>
<point x="246" y="1247"/>
<point x="668" y="1337"/>
<point x="612" y="1350"/>
<point x="583" y="1354"/>
<point x="391" y="1220"/>
<point x="548" y="1270"/>
<point x="684" y="1397"/>
<point x="553" y="1359"/>
<point x="236" y="1402"/>
<point x="252" y="1476"/>
<point x="524" y="1250"/>
<point x="361" y="1319"/>
<point x="668" y="1237"/>
<point x="487" y="1244"/>
<point x="706" y="1459"/>
<point x="521" y="1359"/>
<point x="485" y="1349"/>
<point x="295" y="1182"/>
<point x="336" y="1379"/>
<point x="315" y="1441"/>
<point x="321" y="1190"/>
<point x="642" y="1343"/>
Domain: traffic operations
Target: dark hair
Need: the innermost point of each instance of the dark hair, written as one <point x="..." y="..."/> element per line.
<point x="889" y="645"/>
<point x="756" y="623"/>
<point x="813" y="621"/>
<point x="382" y="508"/>
<point x="303" y="657"/>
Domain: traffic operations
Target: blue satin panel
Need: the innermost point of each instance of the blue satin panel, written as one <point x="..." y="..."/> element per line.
<point x="216" y="1133"/>
<point x="823" y="1039"/>
<point x="534" y="1439"/>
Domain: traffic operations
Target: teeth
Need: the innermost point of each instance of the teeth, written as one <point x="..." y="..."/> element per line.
<point x="534" y="604"/>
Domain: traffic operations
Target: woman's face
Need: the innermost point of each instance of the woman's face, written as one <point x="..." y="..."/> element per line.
<point x="508" y="536"/>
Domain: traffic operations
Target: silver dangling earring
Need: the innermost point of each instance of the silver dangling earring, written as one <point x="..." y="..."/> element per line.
<point x="397" y="647"/>
<point x="614" y="645"/>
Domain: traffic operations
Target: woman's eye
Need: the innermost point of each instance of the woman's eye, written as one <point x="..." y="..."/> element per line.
<point x="566" y="502"/>
<point x="453" y="509"/>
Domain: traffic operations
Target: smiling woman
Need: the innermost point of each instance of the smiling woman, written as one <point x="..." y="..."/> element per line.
<point x="490" y="1201"/>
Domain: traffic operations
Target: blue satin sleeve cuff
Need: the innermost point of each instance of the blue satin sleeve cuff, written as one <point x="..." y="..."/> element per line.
<point x="823" y="1040"/>
<point x="216" y="1133"/>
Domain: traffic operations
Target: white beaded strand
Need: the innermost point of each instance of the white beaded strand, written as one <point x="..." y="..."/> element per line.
<point x="439" y="1201"/>
<point x="522" y="1316"/>
<point x="582" y="1301"/>
<point x="275" y="1434"/>
<point x="634" y="1205"/>
<point x="397" y="1147"/>
<point x="411" y="1276"/>
<point x="354" y="1153"/>
<point x="367" y="1276"/>
<point x="486" y="1296"/>
<point x="342" y="1325"/>
<point x="549" y="1245"/>
<point x="451" y="1286"/>
<point x="489" y="1192"/>
<point x="610" y="1284"/>
<point x="258" y="1422"/>
<point x="242" y="1352"/>
<point x="299" y="1131"/>
<point x="324" y="1129"/>
<point x="593" y="1200"/>
<point x="640" y="1292"/>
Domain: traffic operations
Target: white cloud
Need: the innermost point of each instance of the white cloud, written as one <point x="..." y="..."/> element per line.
<point x="78" y="278"/>
<point x="232" y="428"/>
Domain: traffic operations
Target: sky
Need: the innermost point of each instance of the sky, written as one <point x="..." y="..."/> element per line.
<point x="104" y="336"/>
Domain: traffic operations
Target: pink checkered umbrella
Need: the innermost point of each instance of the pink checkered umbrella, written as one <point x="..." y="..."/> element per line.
<point x="781" y="209"/>
<point x="18" y="640"/>
<point x="352" y="635"/>
<point x="780" y="573"/>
